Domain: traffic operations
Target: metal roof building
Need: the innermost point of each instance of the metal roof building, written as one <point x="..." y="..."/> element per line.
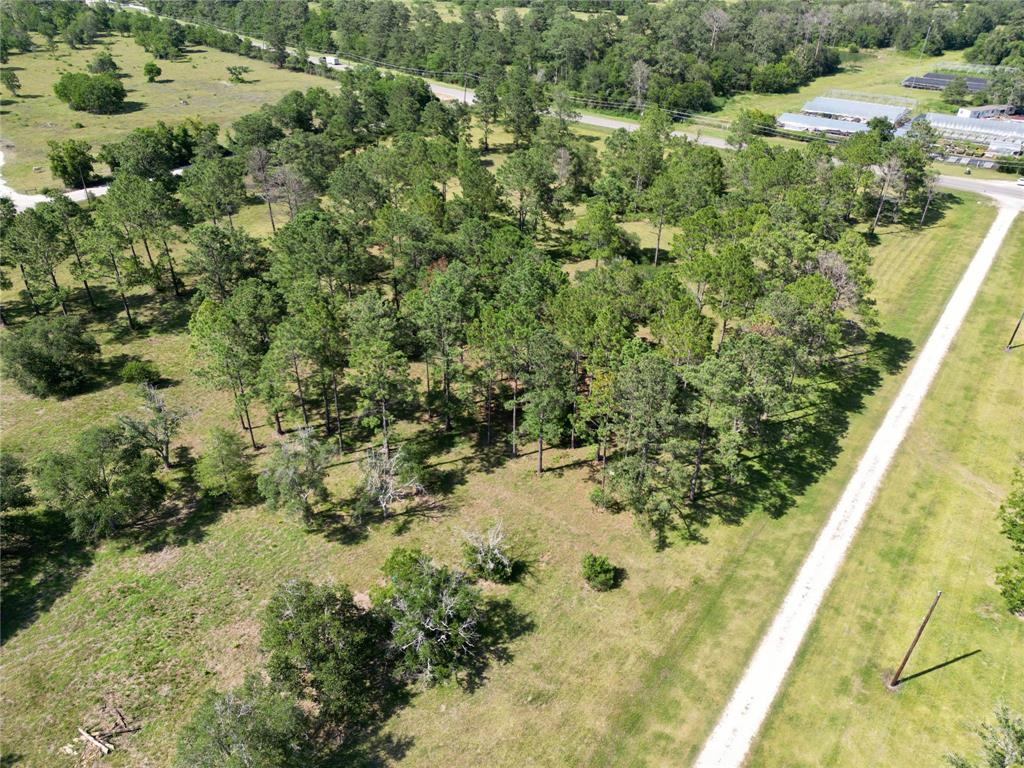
<point x="847" y="109"/>
<point x="937" y="81"/>
<point x="975" y="129"/>
<point x="812" y="124"/>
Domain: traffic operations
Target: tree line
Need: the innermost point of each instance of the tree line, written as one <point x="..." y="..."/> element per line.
<point x="680" y="55"/>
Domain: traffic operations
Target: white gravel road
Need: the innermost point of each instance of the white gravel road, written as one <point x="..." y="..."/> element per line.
<point x="730" y="741"/>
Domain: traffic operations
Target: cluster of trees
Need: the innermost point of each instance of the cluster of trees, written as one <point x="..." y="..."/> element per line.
<point x="77" y="23"/>
<point x="108" y="478"/>
<point x="1002" y="45"/>
<point x="380" y="264"/>
<point x="1010" y="577"/>
<point x="101" y="94"/>
<point x="334" y="666"/>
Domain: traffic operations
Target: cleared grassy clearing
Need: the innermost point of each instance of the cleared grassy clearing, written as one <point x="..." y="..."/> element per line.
<point x="932" y="527"/>
<point x="195" y="87"/>
<point x="869" y="72"/>
<point x="634" y="676"/>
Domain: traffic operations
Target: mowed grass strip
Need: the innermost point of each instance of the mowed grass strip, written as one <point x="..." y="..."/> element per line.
<point x="195" y="86"/>
<point x="932" y="527"/>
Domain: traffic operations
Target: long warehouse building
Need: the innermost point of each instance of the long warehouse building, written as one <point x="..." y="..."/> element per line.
<point x="791" y="121"/>
<point x="1003" y="136"/>
<point x="855" y="111"/>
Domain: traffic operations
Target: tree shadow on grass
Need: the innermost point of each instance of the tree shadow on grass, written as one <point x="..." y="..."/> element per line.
<point x="186" y="514"/>
<point x="352" y="516"/>
<point x="501" y="623"/>
<point x="366" y="750"/>
<point x="808" y="443"/>
<point x="41" y="562"/>
<point x="127" y="107"/>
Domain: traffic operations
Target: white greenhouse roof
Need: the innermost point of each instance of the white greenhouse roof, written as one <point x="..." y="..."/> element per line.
<point x="976" y="128"/>
<point x="1005" y="148"/>
<point x="795" y="122"/>
<point x="856" y="110"/>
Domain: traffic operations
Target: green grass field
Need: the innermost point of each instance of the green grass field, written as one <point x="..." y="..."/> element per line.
<point x="873" y="73"/>
<point x="932" y="527"/>
<point x="194" y="87"/>
<point x="632" y="677"/>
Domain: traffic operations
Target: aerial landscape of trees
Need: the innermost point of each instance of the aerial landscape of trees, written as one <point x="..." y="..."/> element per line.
<point x="751" y="308"/>
<point x="368" y="279"/>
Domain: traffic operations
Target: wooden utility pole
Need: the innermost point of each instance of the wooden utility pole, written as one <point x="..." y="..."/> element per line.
<point x="1009" y="344"/>
<point x="920" y="630"/>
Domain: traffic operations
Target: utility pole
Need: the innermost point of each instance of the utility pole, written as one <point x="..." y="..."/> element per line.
<point x="895" y="680"/>
<point x="1009" y="344"/>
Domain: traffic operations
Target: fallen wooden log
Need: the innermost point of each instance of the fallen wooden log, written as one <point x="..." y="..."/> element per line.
<point x="106" y="749"/>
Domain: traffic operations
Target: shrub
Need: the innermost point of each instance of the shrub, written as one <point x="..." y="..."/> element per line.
<point x="253" y="725"/>
<point x="1010" y="577"/>
<point x="152" y="71"/>
<point x="140" y="372"/>
<point x="599" y="573"/>
<point x="103" y="483"/>
<point x="602" y="499"/>
<point x="319" y="640"/>
<point x="14" y="491"/>
<point x="434" y="614"/>
<point x="99" y="94"/>
<point x="486" y="555"/>
<point x="224" y="468"/>
<point x="1010" y="580"/>
<point x="1002" y="743"/>
<point x="293" y="478"/>
<point x="103" y="63"/>
<point x="50" y="356"/>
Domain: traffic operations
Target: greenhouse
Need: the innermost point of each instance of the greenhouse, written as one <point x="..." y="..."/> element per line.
<point x="812" y="124"/>
<point x="859" y="111"/>
<point x="975" y="129"/>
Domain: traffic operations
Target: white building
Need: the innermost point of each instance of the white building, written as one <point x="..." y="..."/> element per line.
<point x="985" y="113"/>
<point x="1002" y="137"/>
<point x="812" y="124"/>
<point x="854" y="111"/>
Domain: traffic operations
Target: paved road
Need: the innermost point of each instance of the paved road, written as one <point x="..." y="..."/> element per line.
<point x="733" y="736"/>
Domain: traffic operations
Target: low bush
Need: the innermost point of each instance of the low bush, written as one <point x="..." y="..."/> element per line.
<point x="486" y="555"/>
<point x="599" y="573"/>
<point x="140" y="372"/>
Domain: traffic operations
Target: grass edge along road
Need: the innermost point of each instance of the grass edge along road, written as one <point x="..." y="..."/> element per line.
<point x="933" y="526"/>
<point x="733" y="736"/>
